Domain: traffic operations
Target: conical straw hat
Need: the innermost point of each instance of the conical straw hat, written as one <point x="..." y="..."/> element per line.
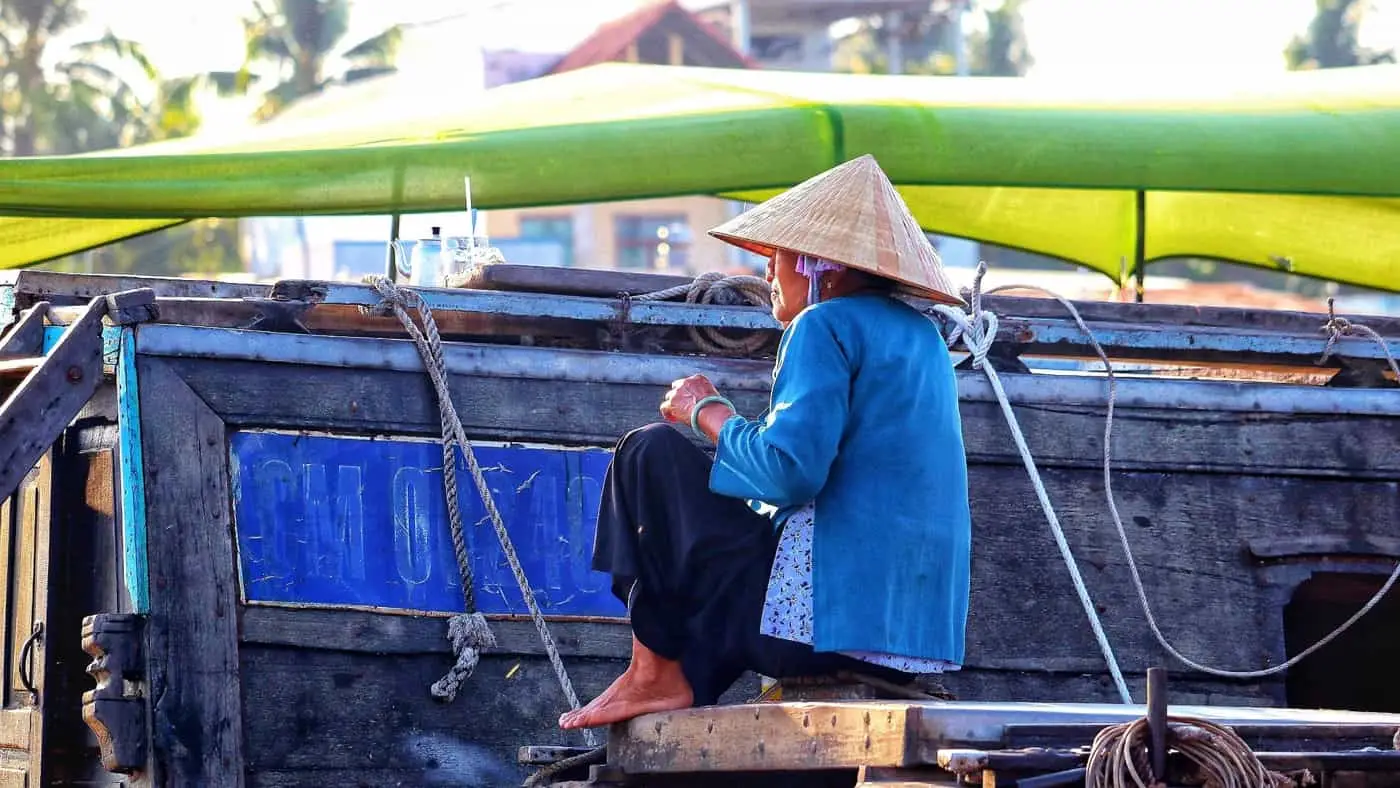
<point x="852" y="215"/>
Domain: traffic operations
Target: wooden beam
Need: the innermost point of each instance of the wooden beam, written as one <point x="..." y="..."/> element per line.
<point x="34" y="415"/>
<point x="68" y="289"/>
<point x="767" y="737"/>
<point x="385" y="633"/>
<point x="19" y="367"/>
<point x="26" y="337"/>
<point x="192" y="644"/>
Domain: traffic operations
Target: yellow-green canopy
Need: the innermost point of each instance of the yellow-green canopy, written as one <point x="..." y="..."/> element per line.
<point x="1303" y="168"/>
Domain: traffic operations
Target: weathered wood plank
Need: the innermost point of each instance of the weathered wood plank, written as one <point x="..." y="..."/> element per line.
<point x="26" y="337"/>
<point x="1151" y="433"/>
<point x="29" y="561"/>
<point x="384" y="633"/>
<point x="192" y="634"/>
<point x="16" y="728"/>
<point x="585" y="282"/>
<point x="313" y="712"/>
<point x="19" y="367"/>
<point x="568" y="281"/>
<point x="59" y="288"/>
<point x="767" y="736"/>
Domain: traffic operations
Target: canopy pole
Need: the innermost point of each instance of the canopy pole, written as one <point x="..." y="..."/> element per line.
<point x="1140" y="247"/>
<point x="391" y="270"/>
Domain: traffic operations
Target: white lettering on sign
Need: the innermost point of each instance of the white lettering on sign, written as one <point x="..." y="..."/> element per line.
<point x="413" y="554"/>
<point x="335" y="525"/>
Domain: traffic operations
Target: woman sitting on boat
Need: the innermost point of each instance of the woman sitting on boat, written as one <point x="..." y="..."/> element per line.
<point x="831" y="535"/>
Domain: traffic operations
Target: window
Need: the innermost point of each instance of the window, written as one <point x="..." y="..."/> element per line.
<point x="559" y="229"/>
<point x="657" y="242"/>
<point x="1355" y="671"/>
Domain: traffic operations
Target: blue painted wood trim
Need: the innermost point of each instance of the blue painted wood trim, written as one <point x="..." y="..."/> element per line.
<point x="111" y="342"/>
<point x="131" y="475"/>
<point x="8" y="314"/>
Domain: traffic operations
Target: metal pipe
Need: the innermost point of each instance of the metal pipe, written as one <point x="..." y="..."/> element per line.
<point x="1157" y="722"/>
<point x="1140" y="245"/>
<point x="391" y="268"/>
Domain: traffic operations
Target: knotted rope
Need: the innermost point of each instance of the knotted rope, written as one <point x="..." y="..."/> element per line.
<point x="714" y="287"/>
<point x="1119" y="759"/>
<point x="469" y="632"/>
<point x="977" y="329"/>
<point x="1336" y="327"/>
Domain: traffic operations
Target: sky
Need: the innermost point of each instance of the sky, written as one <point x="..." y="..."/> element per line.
<point x="1147" y="41"/>
<point x="1072" y="38"/>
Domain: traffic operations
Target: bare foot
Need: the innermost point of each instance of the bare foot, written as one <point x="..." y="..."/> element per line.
<point x="649" y="684"/>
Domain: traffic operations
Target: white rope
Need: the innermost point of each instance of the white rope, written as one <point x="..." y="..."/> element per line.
<point x="464" y="631"/>
<point x="978" y="330"/>
<point x="1336" y="328"/>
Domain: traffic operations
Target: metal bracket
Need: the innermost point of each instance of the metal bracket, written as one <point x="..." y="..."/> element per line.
<point x="116" y="709"/>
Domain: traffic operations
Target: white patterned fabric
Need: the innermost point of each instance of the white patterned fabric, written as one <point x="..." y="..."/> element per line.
<point x="787" y="606"/>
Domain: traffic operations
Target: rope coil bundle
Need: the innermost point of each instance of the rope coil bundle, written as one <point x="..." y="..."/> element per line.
<point x="1218" y="756"/>
<point x="714" y="287"/>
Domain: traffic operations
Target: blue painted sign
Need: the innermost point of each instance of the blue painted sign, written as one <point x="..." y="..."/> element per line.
<point x="347" y="521"/>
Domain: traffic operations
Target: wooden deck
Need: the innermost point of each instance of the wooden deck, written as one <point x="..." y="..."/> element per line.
<point x="934" y="742"/>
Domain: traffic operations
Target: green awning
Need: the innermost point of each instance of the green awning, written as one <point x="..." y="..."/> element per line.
<point x="1304" y="168"/>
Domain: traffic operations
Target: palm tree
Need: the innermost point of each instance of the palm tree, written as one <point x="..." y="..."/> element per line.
<point x="925" y="41"/>
<point x="104" y="94"/>
<point x="300" y="42"/>
<point x="1332" y="39"/>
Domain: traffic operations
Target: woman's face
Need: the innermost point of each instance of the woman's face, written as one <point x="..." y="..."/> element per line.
<point x="789" y="288"/>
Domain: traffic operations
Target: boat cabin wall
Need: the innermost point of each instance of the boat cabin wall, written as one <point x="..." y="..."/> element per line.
<point x="303" y="591"/>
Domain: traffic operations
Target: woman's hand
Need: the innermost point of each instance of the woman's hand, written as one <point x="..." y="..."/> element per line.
<point x="680" y="401"/>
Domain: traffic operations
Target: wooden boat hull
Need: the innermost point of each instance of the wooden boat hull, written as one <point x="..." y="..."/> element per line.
<point x="283" y="492"/>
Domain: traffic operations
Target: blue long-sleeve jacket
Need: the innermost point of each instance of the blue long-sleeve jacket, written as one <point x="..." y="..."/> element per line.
<point x="864" y="419"/>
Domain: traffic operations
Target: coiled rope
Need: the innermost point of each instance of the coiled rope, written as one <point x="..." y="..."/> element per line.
<point x="714" y="287"/>
<point x="1336" y="328"/>
<point x="1221" y="759"/>
<point x="469" y="632"/>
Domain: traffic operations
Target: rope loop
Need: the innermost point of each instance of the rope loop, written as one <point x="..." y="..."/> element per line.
<point x="1336" y="327"/>
<point x="977" y="329"/>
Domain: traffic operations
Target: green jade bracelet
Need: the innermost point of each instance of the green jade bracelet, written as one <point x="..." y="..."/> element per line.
<point x="699" y="406"/>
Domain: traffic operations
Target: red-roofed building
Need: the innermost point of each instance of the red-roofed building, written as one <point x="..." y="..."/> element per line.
<point x="661" y="234"/>
<point x="662" y="33"/>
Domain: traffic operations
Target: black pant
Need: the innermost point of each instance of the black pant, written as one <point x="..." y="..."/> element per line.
<point x="693" y="568"/>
